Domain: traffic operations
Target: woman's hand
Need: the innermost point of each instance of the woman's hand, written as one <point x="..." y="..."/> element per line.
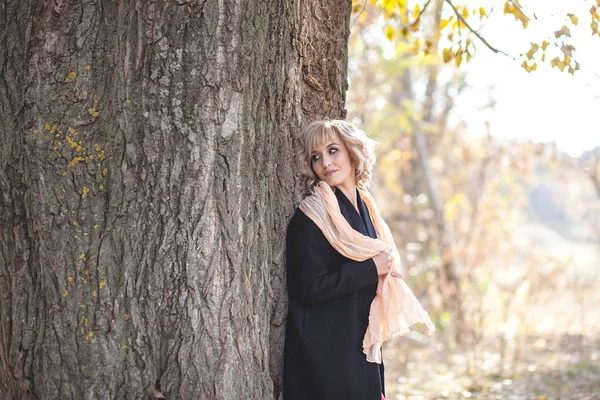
<point x="397" y="274"/>
<point x="383" y="261"/>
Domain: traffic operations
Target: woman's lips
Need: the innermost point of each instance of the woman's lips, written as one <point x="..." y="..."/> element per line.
<point x="329" y="173"/>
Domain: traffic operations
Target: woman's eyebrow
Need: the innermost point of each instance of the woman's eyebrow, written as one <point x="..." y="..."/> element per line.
<point x="328" y="146"/>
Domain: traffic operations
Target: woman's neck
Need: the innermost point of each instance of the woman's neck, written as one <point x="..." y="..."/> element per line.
<point x="349" y="190"/>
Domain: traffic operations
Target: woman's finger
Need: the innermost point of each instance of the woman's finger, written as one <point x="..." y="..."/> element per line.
<point x="397" y="274"/>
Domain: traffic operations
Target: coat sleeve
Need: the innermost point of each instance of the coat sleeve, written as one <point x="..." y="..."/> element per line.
<point x="310" y="277"/>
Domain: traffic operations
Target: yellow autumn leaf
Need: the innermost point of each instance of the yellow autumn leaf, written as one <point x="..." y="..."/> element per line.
<point x="415" y="25"/>
<point x="388" y="5"/>
<point x="567" y="49"/>
<point x="458" y="58"/>
<point x="564" y="31"/>
<point x="430" y="46"/>
<point x="519" y="16"/>
<point x="574" y="19"/>
<point x="529" y="68"/>
<point x="558" y="63"/>
<point x="482" y="11"/>
<point x="447" y="55"/>
<point x="465" y="13"/>
<point x="389" y="33"/>
<point x="443" y="24"/>
<point x="416" y="11"/>
<point x="534" y="48"/>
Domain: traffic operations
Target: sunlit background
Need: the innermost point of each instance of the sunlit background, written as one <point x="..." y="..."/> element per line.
<point x="490" y="178"/>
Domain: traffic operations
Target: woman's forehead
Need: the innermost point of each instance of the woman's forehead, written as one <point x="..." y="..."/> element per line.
<point x="323" y="138"/>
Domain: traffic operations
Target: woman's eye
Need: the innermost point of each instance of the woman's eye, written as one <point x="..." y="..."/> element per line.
<point x="333" y="150"/>
<point x="315" y="158"/>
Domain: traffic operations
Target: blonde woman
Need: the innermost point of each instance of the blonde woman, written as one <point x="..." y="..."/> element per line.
<point x="330" y="295"/>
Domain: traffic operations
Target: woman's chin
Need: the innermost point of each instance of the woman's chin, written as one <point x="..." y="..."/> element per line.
<point x="330" y="181"/>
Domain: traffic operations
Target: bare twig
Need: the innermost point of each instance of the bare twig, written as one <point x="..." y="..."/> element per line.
<point x="359" y="14"/>
<point x="421" y="13"/>
<point x="489" y="46"/>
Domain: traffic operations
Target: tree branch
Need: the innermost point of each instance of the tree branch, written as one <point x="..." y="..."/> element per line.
<point x="421" y="13"/>
<point x="359" y="14"/>
<point x="489" y="46"/>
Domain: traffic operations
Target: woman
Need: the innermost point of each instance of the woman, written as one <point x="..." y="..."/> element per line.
<point x="330" y="295"/>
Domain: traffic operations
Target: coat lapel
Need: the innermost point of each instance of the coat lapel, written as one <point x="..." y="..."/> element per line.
<point x="366" y="218"/>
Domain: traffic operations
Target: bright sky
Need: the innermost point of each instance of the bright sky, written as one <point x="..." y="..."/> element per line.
<point x="546" y="105"/>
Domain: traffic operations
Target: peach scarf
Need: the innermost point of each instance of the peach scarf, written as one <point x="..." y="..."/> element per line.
<point x="395" y="308"/>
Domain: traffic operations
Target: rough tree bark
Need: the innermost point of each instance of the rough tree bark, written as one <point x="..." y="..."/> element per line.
<point x="146" y="183"/>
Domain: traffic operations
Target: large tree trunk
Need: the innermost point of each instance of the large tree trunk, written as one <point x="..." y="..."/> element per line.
<point x="146" y="182"/>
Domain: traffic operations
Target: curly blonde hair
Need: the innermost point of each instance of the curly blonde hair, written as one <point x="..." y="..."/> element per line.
<point x="360" y="147"/>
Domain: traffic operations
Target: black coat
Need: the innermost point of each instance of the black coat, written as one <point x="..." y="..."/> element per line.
<point x="329" y="301"/>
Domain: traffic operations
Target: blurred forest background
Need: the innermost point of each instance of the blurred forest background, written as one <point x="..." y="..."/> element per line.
<point x="500" y="231"/>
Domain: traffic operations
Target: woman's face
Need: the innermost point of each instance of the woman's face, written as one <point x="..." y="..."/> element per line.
<point x="331" y="162"/>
